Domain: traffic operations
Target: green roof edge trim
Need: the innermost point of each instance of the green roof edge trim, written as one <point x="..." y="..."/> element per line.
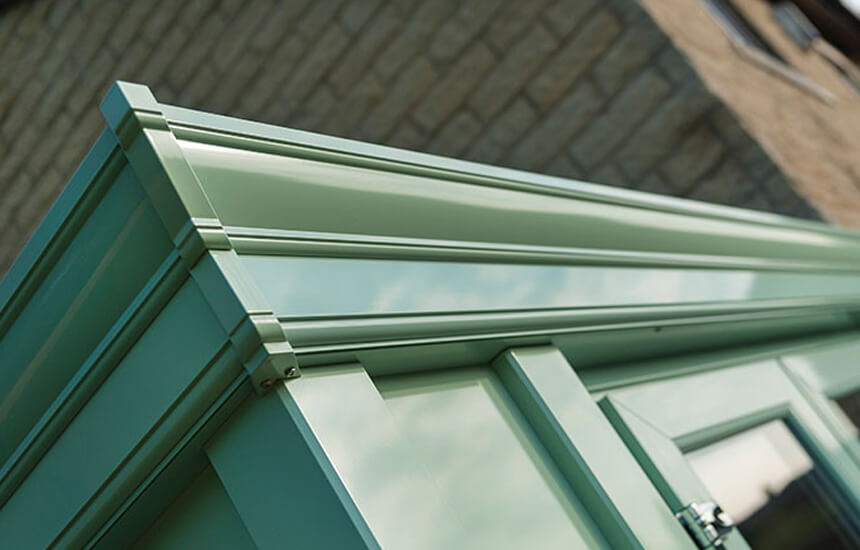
<point x="173" y="154"/>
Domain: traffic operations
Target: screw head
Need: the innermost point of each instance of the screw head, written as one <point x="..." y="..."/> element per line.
<point x="291" y="372"/>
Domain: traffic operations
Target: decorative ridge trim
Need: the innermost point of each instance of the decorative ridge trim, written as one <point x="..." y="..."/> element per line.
<point x="136" y="118"/>
<point x="254" y="136"/>
<point x="69" y="211"/>
<point x="344" y="334"/>
<point x="137" y="134"/>
<point x="198" y="235"/>
<point x="134" y="121"/>
<point x="261" y="241"/>
<point x="253" y="335"/>
<point x="191" y="440"/>
<point x="216" y="383"/>
<point x="113" y="346"/>
<point x="138" y="121"/>
<point x="254" y="331"/>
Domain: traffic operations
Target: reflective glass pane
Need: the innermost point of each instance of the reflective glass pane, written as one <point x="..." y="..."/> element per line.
<point x="487" y="462"/>
<point x="772" y="490"/>
<point x="850" y="405"/>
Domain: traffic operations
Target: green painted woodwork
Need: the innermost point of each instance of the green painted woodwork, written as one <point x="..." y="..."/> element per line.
<point x="114" y="252"/>
<point x="824" y="373"/>
<point x="833" y="370"/>
<point x="372" y="201"/>
<point x="634" y="368"/>
<point x="203" y="516"/>
<point x="661" y="420"/>
<point x="275" y="472"/>
<point x="164" y="482"/>
<point x="216" y="297"/>
<point x="582" y="443"/>
<point x="78" y="465"/>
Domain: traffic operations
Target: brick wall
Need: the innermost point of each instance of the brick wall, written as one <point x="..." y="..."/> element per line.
<point x="589" y="89"/>
<point x="814" y="139"/>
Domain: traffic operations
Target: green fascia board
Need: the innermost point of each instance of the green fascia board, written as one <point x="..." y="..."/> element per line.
<point x="510" y="213"/>
<point x="128" y="238"/>
<point x="195" y="204"/>
<point x="202" y="127"/>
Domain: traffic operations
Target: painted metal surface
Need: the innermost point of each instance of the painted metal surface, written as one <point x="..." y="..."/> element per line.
<point x="216" y="295"/>
<point x="661" y="420"/>
<point x="203" y="516"/>
<point x="603" y="473"/>
<point x="833" y="370"/>
<point x="824" y="374"/>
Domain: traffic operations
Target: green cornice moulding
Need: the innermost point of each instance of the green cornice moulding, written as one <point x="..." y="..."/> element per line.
<point x="194" y="260"/>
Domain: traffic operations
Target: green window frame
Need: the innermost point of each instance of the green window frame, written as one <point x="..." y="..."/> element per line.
<point x="334" y="407"/>
<point x="661" y="420"/>
<point x="154" y="326"/>
<point x="825" y="374"/>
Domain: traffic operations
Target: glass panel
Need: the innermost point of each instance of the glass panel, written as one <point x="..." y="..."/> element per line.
<point x="488" y="462"/>
<point x="850" y="405"/>
<point x="772" y="490"/>
<point x="305" y="286"/>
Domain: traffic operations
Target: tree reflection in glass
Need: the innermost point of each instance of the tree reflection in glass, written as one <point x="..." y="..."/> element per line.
<point x="772" y="490"/>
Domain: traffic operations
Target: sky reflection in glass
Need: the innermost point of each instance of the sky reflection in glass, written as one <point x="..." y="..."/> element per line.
<point x="770" y="487"/>
<point x="305" y="286"/>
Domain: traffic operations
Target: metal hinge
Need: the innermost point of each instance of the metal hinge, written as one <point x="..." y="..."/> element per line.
<point x="706" y="522"/>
